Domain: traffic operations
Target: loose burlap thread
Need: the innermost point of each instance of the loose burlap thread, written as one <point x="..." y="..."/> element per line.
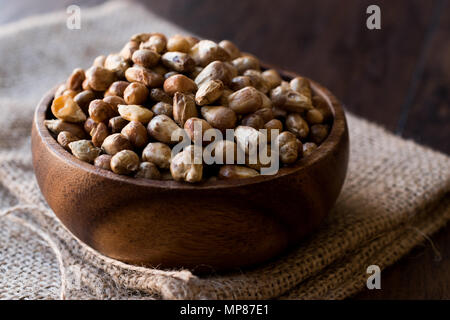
<point x="395" y="195"/>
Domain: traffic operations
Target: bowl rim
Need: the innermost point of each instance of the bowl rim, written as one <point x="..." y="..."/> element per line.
<point x="337" y="133"/>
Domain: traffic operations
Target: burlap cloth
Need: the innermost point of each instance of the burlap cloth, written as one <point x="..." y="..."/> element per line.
<point x="396" y="192"/>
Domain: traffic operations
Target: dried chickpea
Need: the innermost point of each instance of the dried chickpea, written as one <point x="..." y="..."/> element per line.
<point x="114" y="102"/>
<point x="117" y="64"/>
<point x="297" y="125"/>
<point x="84" y="150"/>
<point x="140" y="37"/>
<point x="148" y="170"/>
<point x="136" y="133"/>
<point x="157" y="42"/>
<point x="240" y="82"/>
<point x="183" y="108"/>
<point x="85" y="85"/>
<point x="288" y="148"/>
<point x="265" y="113"/>
<point x="192" y="40"/>
<point x="178" y="43"/>
<point x="116" y="124"/>
<point x="290" y="100"/>
<point x="257" y="80"/>
<point x="66" y="109"/>
<point x="272" y="78"/>
<point x="157" y="153"/>
<point x="314" y="116"/>
<point x="100" y="78"/>
<point x="321" y="105"/>
<point x="230" y="48"/>
<point x="158" y="95"/>
<point x="231" y="69"/>
<point x="115" y="143"/>
<point x="128" y="50"/>
<point x="236" y="172"/>
<point x="70" y="93"/>
<point x="125" y="162"/>
<point x="99" y="134"/>
<point x="179" y="83"/>
<point x="208" y="92"/>
<point x="191" y="124"/>
<point x="245" y="100"/>
<point x="301" y="85"/>
<point x="117" y="88"/>
<point x="145" y="76"/>
<point x="184" y="168"/>
<point x="244" y="63"/>
<point x="216" y="70"/>
<point x="318" y="133"/>
<point x="207" y="51"/>
<point x="161" y="128"/>
<point x="99" y="61"/>
<point x="219" y="117"/>
<point x="135" y="113"/>
<point x="160" y="69"/>
<point x="253" y="120"/>
<point x="103" y="161"/>
<point x="146" y="58"/>
<point x="76" y="79"/>
<point x="83" y="99"/>
<point x="65" y="137"/>
<point x="273" y="124"/>
<point x="58" y="126"/>
<point x="163" y="108"/>
<point x="100" y="110"/>
<point x="135" y="93"/>
<point x="89" y="125"/>
<point x="178" y="61"/>
<point x="309" y="148"/>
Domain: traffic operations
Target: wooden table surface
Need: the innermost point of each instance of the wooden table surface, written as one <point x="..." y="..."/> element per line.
<point x="398" y="76"/>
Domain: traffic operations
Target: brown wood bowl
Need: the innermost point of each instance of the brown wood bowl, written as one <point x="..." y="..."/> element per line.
<point x="217" y="224"/>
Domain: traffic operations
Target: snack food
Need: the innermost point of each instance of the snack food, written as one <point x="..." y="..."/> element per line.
<point x="128" y="112"/>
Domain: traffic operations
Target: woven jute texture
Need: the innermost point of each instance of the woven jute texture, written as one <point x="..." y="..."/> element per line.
<point x="395" y="195"/>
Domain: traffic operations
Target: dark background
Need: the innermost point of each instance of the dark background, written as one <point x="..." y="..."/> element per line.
<point x="398" y="76"/>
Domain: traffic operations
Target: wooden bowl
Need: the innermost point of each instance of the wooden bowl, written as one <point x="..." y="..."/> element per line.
<point x="217" y="224"/>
